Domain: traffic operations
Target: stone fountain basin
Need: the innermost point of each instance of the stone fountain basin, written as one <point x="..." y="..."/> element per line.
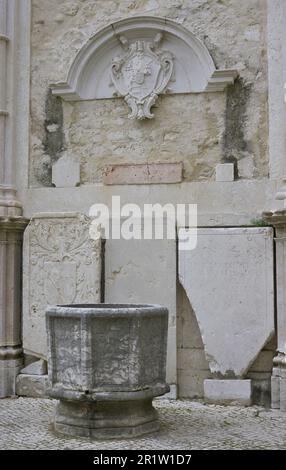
<point x="106" y="364"/>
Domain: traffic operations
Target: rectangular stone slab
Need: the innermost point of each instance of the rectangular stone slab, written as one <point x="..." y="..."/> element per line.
<point x="228" y="279"/>
<point x="152" y="173"/>
<point x="226" y="392"/>
<point x="144" y="271"/>
<point x="62" y="265"/>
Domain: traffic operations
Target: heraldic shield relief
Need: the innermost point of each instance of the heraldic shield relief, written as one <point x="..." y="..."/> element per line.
<point x="141" y="74"/>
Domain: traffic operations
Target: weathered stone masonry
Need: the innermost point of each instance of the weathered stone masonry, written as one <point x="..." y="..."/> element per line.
<point x="227" y="148"/>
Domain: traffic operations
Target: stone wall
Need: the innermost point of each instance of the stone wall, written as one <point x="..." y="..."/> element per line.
<point x="200" y="130"/>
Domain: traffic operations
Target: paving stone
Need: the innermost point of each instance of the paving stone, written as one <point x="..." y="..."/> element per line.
<point x="25" y="423"/>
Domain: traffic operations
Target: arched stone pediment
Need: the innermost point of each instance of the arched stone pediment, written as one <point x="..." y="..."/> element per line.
<point x="139" y="58"/>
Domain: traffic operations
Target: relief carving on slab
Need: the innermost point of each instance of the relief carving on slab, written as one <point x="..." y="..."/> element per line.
<point x="141" y="74"/>
<point x="62" y="265"/>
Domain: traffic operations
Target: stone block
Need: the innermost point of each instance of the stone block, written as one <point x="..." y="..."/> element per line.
<point x="66" y="172"/>
<point x="226" y="392"/>
<point x="192" y="359"/>
<point x="191" y="383"/>
<point x="62" y="264"/>
<point x="282" y="372"/>
<point x="261" y="392"/>
<point x="234" y="269"/>
<point x="283" y="394"/>
<point x="225" y="172"/>
<point x="9" y="369"/>
<point x="153" y="173"/>
<point x="131" y="277"/>
<point x="32" y="385"/>
<point x="246" y="167"/>
<point x="275" y="392"/>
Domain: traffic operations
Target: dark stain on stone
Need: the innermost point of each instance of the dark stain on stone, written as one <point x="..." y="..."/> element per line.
<point x="261" y="392"/>
<point x="235" y="145"/>
<point x="228" y="375"/>
<point x="231" y="159"/>
<point x="53" y="141"/>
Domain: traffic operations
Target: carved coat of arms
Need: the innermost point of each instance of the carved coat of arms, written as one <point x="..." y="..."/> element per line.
<point x="141" y="74"/>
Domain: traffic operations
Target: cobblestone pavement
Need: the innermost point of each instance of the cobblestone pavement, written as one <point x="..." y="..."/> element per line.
<point x="26" y="423"/>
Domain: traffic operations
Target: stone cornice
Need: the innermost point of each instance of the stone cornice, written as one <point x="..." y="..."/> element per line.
<point x="275" y="218"/>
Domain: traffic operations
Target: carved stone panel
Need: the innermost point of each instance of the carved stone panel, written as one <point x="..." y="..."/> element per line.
<point x="141" y="74"/>
<point x="139" y="58"/>
<point x="62" y="265"/>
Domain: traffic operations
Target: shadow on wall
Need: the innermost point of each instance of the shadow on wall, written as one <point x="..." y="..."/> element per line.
<point x="192" y="365"/>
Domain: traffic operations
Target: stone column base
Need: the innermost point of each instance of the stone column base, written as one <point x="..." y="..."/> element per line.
<point x="9" y="369"/>
<point x="278" y="388"/>
<point x="106" y="419"/>
<point x="228" y="392"/>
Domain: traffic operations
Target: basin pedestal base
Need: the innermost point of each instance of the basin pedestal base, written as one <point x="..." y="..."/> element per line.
<point x="106" y="419"/>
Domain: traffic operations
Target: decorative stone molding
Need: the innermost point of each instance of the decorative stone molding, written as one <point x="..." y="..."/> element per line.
<point x="146" y="173"/>
<point x="62" y="264"/>
<point x="9" y="205"/>
<point x="141" y="74"/>
<point x="281" y="193"/>
<point x="66" y="171"/>
<point x="139" y="58"/>
<point x="11" y="230"/>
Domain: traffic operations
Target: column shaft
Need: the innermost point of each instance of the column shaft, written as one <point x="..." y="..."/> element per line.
<point x="12" y="224"/>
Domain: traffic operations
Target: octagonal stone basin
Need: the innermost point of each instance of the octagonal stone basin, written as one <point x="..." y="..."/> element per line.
<point x="106" y="364"/>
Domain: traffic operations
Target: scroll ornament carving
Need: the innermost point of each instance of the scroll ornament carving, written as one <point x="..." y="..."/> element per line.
<point x="127" y="59"/>
<point x="141" y="74"/>
<point x="63" y="260"/>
